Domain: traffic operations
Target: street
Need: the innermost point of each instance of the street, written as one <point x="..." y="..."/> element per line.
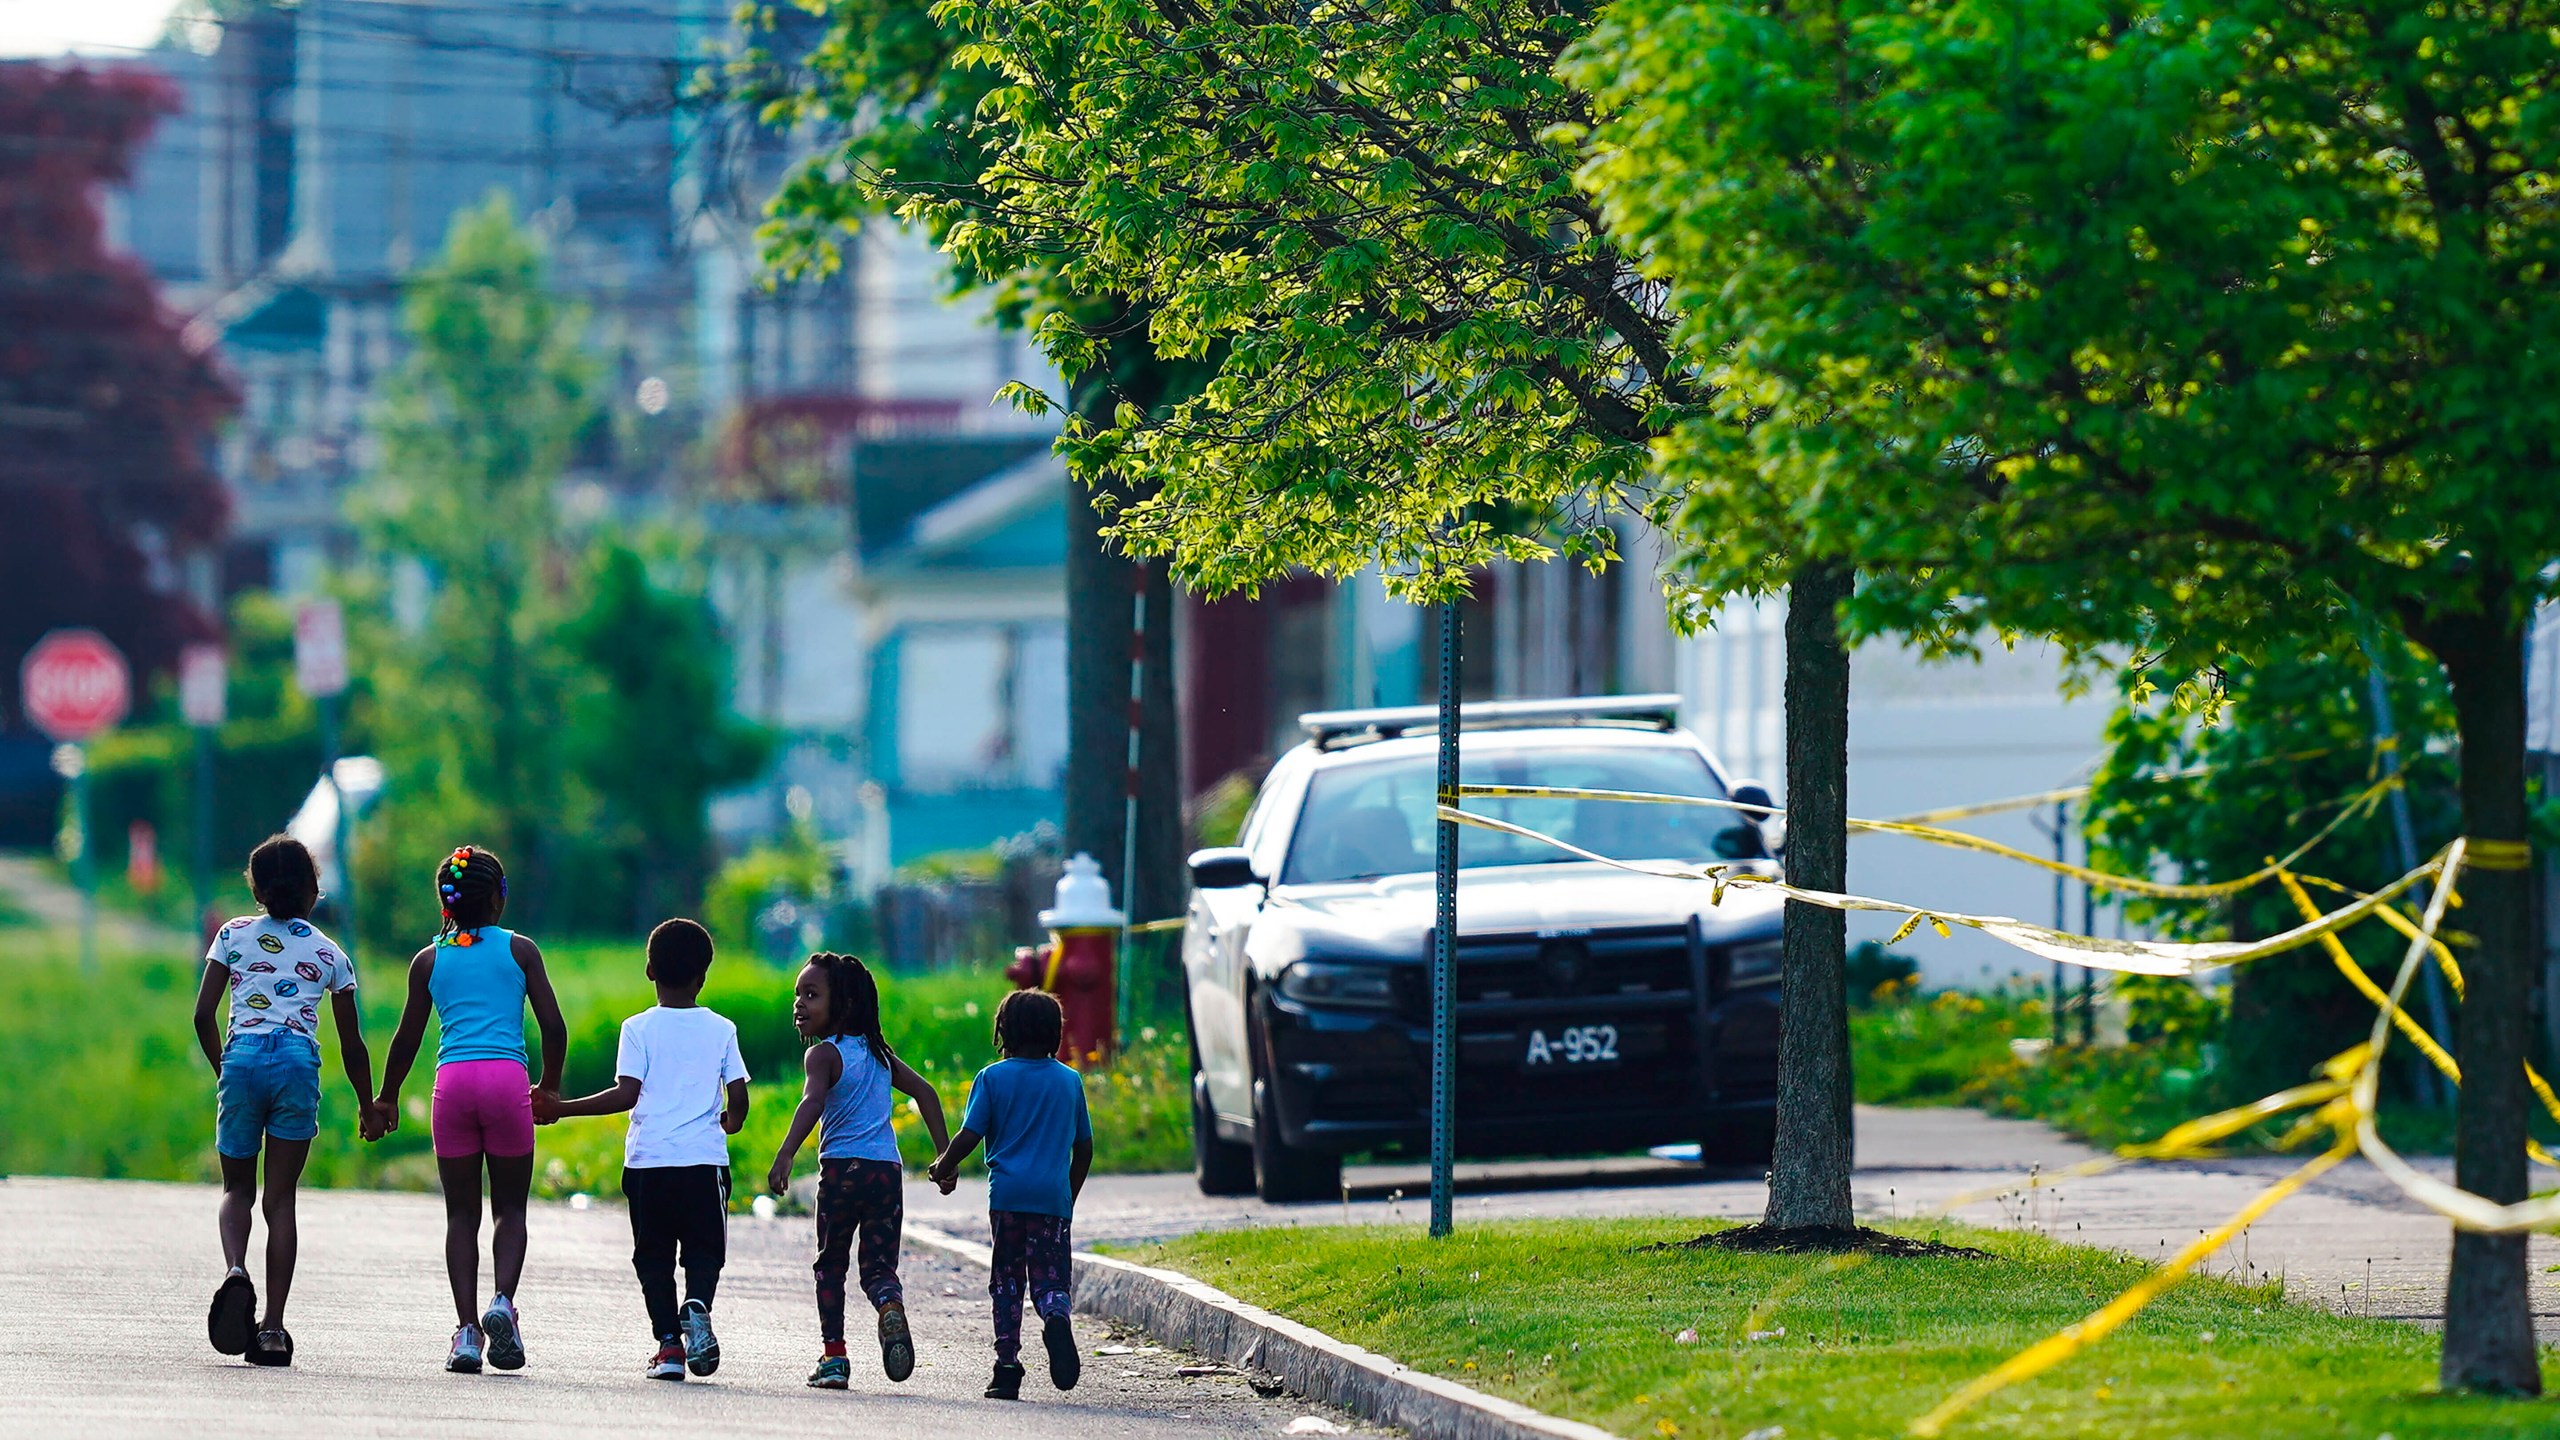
<point x="111" y="1280"/>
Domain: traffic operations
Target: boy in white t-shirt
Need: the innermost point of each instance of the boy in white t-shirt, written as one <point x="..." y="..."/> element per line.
<point x="681" y="1077"/>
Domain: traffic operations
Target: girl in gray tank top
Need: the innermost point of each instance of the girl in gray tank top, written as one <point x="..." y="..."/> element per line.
<point x="853" y="1081"/>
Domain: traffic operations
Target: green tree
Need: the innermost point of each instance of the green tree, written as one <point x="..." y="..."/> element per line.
<point x="476" y="428"/>
<point x="2295" y="743"/>
<point x="1430" y="350"/>
<point x="885" y="79"/>
<point x="2216" y="330"/>
<point x="651" y="734"/>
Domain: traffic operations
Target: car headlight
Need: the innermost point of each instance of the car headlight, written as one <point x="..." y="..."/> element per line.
<point x="1316" y="983"/>
<point x="1750" y="964"/>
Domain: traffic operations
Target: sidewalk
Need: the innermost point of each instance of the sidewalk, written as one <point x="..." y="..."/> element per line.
<point x="2350" y="1242"/>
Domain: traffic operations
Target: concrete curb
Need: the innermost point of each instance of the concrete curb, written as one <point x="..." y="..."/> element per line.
<point x="1179" y="1310"/>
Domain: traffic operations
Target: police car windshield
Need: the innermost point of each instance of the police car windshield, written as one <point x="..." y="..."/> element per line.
<point x="1365" y="820"/>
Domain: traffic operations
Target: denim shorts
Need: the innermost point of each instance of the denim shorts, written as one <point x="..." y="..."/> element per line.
<point x="270" y="1087"/>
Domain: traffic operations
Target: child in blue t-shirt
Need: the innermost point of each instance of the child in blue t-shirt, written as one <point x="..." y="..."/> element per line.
<point x="1029" y="1109"/>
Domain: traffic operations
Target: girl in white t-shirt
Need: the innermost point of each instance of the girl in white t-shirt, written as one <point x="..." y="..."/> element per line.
<point x="853" y="1080"/>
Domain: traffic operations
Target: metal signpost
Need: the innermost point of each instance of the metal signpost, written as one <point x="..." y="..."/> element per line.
<point x="320" y="668"/>
<point x="1444" y="938"/>
<point x="74" y="684"/>
<point x="204" y="685"/>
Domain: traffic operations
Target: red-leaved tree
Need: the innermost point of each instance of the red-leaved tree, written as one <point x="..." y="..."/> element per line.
<point x="107" y="417"/>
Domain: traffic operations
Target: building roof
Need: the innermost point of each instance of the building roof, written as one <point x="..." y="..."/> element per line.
<point x="900" y="479"/>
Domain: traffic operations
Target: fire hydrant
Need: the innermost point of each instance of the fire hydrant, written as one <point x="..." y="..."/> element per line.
<point x="1080" y="964"/>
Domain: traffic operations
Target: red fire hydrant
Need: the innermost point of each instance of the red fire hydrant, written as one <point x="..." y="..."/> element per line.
<point x="1080" y="964"/>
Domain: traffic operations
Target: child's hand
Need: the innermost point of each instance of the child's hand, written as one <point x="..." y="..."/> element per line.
<point x="778" y="1179"/>
<point x="386" y="1117"/>
<point x="944" y="1175"/>
<point x="546" y="1106"/>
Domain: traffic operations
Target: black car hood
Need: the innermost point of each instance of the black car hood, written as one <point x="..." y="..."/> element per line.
<point x="1391" y="918"/>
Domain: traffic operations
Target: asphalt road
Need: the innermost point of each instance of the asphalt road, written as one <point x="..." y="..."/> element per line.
<point x="108" y="1282"/>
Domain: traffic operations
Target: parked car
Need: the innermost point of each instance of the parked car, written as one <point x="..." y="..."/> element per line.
<point x="1597" y="1010"/>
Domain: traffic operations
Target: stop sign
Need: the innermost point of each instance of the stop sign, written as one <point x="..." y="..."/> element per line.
<point x="74" y="684"/>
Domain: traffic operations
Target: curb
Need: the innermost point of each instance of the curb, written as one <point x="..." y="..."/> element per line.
<point x="1179" y="1310"/>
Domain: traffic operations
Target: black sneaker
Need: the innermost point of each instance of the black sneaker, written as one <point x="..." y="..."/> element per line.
<point x="1064" y="1363"/>
<point x="701" y="1347"/>
<point x="232" y="1323"/>
<point x="1008" y="1382"/>
<point x="897" y="1347"/>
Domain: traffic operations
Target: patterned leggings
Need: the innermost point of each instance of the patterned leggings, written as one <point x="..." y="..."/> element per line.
<point x="1027" y="1246"/>
<point x="866" y="1196"/>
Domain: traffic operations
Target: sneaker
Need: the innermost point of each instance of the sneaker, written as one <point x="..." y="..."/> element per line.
<point x="506" y="1341"/>
<point x="897" y="1347"/>
<point x="1064" y="1363"/>
<point x="232" y="1323"/>
<point x="465" y="1359"/>
<point x="668" y="1363"/>
<point x="834" y="1372"/>
<point x="1008" y="1382"/>
<point x="701" y="1347"/>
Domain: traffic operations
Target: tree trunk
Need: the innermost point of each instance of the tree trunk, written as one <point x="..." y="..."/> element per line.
<point x="1809" y="1181"/>
<point x="1099" y="595"/>
<point x="2488" y="1333"/>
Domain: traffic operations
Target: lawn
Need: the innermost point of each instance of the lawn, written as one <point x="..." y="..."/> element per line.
<point x="99" y="1074"/>
<point x="1582" y="1319"/>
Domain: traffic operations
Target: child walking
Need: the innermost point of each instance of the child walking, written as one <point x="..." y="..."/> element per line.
<point x="853" y="1081"/>
<point x="275" y="967"/>
<point x="478" y="979"/>
<point x="680" y="1075"/>
<point x="1030" y="1111"/>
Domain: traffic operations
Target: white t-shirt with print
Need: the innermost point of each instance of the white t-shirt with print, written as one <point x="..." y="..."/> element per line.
<point x="279" y="970"/>
<point x="684" y="1061"/>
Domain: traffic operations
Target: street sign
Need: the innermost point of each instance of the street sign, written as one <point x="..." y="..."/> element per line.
<point x="320" y="649"/>
<point x="74" y="684"/>
<point x="204" y="685"/>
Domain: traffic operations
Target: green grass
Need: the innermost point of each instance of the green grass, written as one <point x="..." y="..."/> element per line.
<point x="1578" y="1319"/>
<point x="100" y="1075"/>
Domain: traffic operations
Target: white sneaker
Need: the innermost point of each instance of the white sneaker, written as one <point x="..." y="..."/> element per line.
<point x="465" y="1359"/>
<point x="701" y="1347"/>
<point x="506" y="1339"/>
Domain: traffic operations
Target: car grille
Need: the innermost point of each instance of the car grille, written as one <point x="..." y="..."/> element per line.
<point x="1495" y="972"/>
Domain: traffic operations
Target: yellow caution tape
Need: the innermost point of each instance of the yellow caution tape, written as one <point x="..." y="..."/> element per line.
<point x="2130" y="957"/>
<point x="2397" y="919"/>
<point x="2501" y="855"/>
<point x="2348" y="967"/>
<point x="1154" y="927"/>
<point x="2356" y="805"/>
<point x="2053" y="1350"/>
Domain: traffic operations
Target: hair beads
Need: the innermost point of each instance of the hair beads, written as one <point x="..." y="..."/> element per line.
<point x="470" y="886"/>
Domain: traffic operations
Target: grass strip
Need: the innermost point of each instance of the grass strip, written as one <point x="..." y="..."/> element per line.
<point x="1580" y="1318"/>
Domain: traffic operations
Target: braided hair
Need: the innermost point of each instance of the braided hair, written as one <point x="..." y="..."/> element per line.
<point x="470" y="886"/>
<point x="853" y="1001"/>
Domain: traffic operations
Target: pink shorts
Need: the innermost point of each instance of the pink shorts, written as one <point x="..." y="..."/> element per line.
<point x="482" y="1107"/>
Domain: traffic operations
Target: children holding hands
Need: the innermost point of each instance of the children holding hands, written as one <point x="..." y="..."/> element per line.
<point x="678" y="1072"/>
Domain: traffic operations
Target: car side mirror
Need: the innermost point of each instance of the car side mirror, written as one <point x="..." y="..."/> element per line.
<point x="1754" y="798"/>
<point x="1223" y="867"/>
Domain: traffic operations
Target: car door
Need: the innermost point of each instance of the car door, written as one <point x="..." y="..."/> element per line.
<point x="1221" y="921"/>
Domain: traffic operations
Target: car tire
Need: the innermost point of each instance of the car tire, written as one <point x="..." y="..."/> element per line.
<point x="1283" y="1173"/>
<point x="1222" y="1167"/>
<point x="1741" y="1144"/>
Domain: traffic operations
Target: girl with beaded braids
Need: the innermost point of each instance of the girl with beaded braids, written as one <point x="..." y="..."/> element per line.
<point x="478" y="979"/>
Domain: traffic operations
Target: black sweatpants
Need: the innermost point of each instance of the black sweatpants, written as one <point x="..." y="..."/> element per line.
<point x="672" y="1206"/>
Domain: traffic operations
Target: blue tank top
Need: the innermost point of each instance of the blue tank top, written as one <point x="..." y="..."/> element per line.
<point x="479" y="993"/>
<point x="856" y="1125"/>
